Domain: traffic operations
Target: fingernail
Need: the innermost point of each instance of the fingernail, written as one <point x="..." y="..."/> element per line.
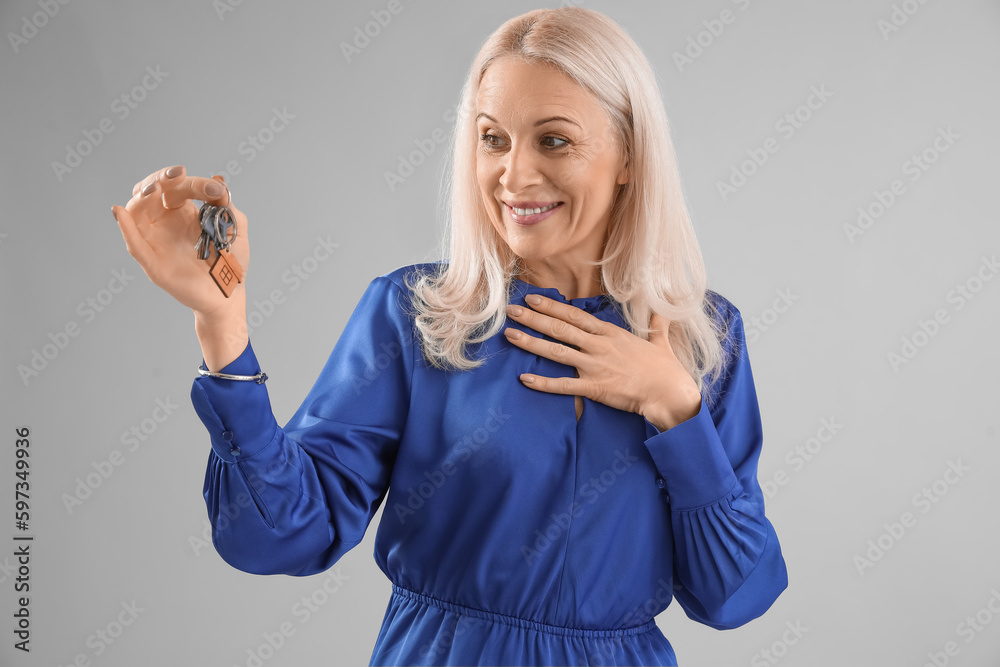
<point x="533" y="299"/>
<point x="512" y="333"/>
<point x="528" y="379"/>
<point x="214" y="189"/>
<point x="114" y="213"/>
<point x="174" y="171"/>
<point x="149" y="189"/>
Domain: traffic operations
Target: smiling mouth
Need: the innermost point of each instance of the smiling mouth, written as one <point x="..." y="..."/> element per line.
<point x="530" y="216"/>
<point x="533" y="211"/>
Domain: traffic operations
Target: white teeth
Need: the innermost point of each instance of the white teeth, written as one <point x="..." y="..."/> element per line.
<point x="533" y="211"/>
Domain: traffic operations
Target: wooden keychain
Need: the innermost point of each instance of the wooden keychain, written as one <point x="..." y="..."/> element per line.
<point x="215" y="224"/>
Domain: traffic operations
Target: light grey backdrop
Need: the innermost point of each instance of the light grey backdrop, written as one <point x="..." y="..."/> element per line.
<point x="808" y="111"/>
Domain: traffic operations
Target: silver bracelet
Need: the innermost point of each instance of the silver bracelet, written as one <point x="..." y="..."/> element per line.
<point x="259" y="378"/>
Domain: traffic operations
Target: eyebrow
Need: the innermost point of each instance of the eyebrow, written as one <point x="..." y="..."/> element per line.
<point x="537" y="124"/>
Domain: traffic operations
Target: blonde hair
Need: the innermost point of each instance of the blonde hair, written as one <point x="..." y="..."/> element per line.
<point x="652" y="261"/>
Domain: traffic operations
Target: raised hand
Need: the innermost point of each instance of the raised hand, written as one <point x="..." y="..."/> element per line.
<point x="160" y="227"/>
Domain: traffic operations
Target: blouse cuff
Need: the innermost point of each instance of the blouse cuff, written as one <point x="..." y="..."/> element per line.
<point x="237" y="413"/>
<point x="245" y="364"/>
<point x="692" y="460"/>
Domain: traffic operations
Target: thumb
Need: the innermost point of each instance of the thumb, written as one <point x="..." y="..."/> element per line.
<point x="222" y="179"/>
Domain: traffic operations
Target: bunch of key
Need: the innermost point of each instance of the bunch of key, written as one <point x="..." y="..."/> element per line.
<point x="216" y="221"/>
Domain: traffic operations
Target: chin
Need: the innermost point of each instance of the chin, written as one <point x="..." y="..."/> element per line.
<point x="529" y="252"/>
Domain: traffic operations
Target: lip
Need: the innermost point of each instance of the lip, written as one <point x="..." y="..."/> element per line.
<point x="530" y="219"/>
<point x="530" y="204"/>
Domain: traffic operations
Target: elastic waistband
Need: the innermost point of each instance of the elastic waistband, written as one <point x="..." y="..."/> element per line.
<point x="521" y="622"/>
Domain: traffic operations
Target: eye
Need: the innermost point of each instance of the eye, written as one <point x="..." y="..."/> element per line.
<point x="490" y="140"/>
<point x="564" y="142"/>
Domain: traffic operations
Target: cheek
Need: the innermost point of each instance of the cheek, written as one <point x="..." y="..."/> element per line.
<point x="597" y="182"/>
<point x="577" y="176"/>
<point x="488" y="180"/>
<point x="487" y="173"/>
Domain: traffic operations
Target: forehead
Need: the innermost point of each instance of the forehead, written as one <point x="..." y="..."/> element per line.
<point x="512" y="88"/>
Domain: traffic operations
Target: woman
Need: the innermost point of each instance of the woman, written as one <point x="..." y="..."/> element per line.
<point x="520" y="527"/>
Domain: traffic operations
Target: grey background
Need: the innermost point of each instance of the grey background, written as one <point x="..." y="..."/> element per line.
<point x="323" y="175"/>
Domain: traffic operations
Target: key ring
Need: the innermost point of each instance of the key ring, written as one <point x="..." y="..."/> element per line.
<point x="210" y="225"/>
<point x="215" y="222"/>
<point x="217" y="214"/>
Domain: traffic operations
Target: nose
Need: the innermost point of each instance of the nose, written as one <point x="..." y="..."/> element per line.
<point x="520" y="169"/>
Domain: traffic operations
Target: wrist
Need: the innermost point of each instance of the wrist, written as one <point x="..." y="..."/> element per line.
<point x="659" y="419"/>
<point x="222" y="333"/>
<point x="665" y="418"/>
<point x="224" y="312"/>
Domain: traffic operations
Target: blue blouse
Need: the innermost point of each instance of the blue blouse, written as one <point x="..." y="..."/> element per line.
<point x="512" y="533"/>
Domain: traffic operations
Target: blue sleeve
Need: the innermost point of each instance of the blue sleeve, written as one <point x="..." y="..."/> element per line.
<point x="728" y="567"/>
<point x="293" y="500"/>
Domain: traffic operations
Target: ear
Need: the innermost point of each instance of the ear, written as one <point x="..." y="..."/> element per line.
<point x="625" y="173"/>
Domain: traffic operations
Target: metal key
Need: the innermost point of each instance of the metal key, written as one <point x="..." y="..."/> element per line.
<point x="215" y="223"/>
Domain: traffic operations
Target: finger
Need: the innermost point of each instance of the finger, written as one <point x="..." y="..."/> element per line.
<point x="563" y="385"/>
<point x="211" y="190"/>
<point x="565" y="312"/>
<point x="222" y="179"/>
<point x="175" y="171"/>
<point x="134" y="241"/>
<point x="572" y="329"/>
<point x="168" y="178"/>
<point x="141" y="184"/>
<point x="564" y="354"/>
<point x="147" y="204"/>
<point x="152" y="178"/>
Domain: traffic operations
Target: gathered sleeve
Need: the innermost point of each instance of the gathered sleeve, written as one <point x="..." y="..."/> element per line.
<point x="293" y="500"/>
<point x="728" y="567"/>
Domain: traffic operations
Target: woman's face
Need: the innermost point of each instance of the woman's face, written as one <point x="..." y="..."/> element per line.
<point x="545" y="143"/>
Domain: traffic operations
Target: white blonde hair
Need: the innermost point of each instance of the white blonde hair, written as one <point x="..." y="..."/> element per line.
<point x="651" y="262"/>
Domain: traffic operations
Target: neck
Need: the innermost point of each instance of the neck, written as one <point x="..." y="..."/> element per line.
<point x="572" y="283"/>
